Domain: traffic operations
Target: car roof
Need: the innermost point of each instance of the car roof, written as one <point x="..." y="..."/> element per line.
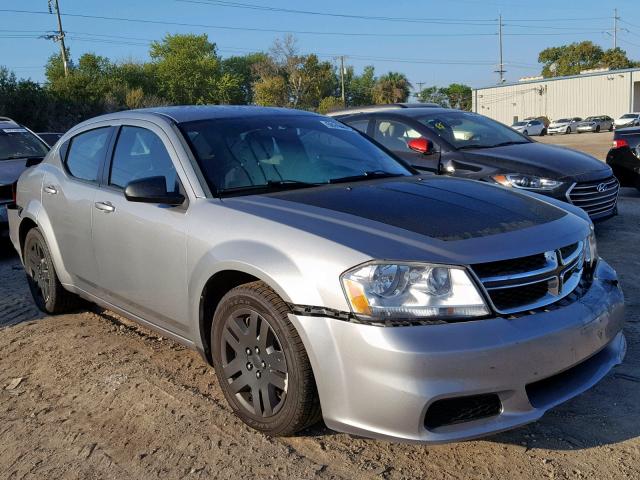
<point x="189" y="113"/>
<point x="6" y="122"/>
<point x="380" y="108"/>
<point x="399" y="112"/>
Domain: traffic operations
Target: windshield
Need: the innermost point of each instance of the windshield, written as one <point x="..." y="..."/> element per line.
<point x="284" y="151"/>
<point x="20" y="143"/>
<point x="471" y="130"/>
<point x="519" y="124"/>
<point x="629" y="115"/>
<point x="591" y="119"/>
<point x="563" y="120"/>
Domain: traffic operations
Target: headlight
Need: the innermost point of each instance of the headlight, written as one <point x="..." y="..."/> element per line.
<point x="411" y="290"/>
<point x="591" y="250"/>
<point x="526" y="182"/>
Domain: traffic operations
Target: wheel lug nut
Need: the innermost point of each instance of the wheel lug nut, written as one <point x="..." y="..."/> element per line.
<point x="262" y="364"/>
<point x="248" y="351"/>
<point x="249" y="366"/>
<point x="258" y="374"/>
<point x="257" y="350"/>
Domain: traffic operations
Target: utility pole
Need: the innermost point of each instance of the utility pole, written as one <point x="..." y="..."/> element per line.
<point x="501" y="71"/>
<point x="615" y="28"/>
<point x="59" y="37"/>
<point x="417" y="94"/>
<point x="344" y="97"/>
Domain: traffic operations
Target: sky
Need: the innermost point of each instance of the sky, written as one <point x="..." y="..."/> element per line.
<point x="434" y="42"/>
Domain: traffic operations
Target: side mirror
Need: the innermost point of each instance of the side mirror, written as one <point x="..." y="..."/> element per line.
<point x="421" y="145"/>
<point x="152" y="190"/>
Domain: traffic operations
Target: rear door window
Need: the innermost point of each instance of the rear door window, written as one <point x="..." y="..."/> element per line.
<point x="86" y="154"/>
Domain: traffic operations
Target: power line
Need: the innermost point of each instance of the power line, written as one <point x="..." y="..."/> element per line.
<point x="298" y="32"/>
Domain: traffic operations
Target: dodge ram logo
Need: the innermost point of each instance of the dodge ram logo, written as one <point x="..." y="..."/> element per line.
<point x="601" y="187"/>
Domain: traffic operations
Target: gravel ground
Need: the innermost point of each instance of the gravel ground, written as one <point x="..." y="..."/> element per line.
<point x="90" y="395"/>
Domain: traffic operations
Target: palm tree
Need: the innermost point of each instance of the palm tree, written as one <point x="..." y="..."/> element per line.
<point x="393" y="87"/>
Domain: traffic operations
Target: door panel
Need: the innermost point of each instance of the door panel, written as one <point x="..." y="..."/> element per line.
<point x="68" y="198"/>
<point x="141" y="247"/>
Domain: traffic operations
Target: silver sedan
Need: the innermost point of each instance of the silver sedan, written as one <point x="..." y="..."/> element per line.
<point x="319" y="275"/>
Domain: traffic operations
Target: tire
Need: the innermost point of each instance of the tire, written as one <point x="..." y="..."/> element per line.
<point x="598" y="129"/>
<point x="246" y="363"/>
<point x="525" y="132"/>
<point x="611" y="128"/>
<point x="543" y="132"/>
<point x="567" y="131"/>
<point x="48" y="293"/>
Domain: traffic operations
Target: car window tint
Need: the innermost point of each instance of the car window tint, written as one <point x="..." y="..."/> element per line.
<point x="394" y="135"/>
<point x="140" y="153"/>
<point x="86" y="153"/>
<point x="360" y="125"/>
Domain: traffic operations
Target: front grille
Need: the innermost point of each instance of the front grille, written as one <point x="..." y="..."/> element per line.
<point x="462" y="409"/>
<point x="596" y="197"/>
<point x="531" y="282"/>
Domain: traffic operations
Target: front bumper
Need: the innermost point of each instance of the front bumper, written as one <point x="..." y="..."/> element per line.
<point x="554" y="130"/>
<point x="587" y="128"/>
<point x="380" y="381"/>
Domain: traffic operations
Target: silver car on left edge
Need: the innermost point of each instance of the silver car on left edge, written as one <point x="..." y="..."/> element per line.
<point x="319" y="275"/>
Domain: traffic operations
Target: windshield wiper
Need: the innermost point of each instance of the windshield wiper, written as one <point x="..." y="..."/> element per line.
<point x="366" y="176"/>
<point x="270" y="186"/>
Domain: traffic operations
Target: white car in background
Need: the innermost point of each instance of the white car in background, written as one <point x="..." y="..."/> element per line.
<point x="627" y="120"/>
<point x="530" y="127"/>
<point x="564" y="125"/>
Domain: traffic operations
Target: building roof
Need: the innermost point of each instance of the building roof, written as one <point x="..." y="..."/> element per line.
<point x="554" y="79"/>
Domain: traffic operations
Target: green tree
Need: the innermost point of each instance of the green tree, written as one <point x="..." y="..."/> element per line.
<point x="458" y="96"/>
<point x="433" y="94"/>
<point x="329" y="104"/>
<point x="244" y="69"/>
<point x="187" y="69"/>
<point x="571" y="59"/>
<point x="359" y="88"/>
<point x="271" y="91"/>
<point x="392" y="87"/>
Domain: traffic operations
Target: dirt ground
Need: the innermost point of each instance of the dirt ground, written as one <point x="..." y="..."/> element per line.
<point x="90" y="395"/>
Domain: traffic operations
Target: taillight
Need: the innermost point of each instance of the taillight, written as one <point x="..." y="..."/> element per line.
<point x="620" y="142"/>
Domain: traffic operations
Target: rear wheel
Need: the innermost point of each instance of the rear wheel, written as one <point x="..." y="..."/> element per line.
<point x="611" y="127"/>
<point x="48" y="293"/>
<point x="543" y="132"/>
<point x="525" y="132"/>
<point x="261" y="363"/>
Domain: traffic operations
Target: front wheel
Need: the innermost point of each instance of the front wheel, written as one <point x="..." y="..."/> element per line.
<point x="261" y="363"/>
<point x="48" y="293"/>
<point x="598" y="129"/>
<point x="568" y="131"/>
<point x="525" y="132"/>
<point x="543" y="132"/>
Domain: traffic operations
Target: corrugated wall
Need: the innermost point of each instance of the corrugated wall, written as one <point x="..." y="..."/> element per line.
<point x="609" y="93"/>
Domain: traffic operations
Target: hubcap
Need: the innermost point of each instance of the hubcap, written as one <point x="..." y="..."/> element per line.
<point x="38" y="270"/>
<point x="254" y="365"/>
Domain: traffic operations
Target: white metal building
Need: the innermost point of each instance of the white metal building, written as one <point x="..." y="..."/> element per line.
<point x="600" y="92"/>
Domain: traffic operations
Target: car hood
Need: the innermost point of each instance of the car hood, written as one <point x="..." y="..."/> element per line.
<point x="538" y="159"/>
<point x="10" y="170"/>
<point x="436" y="219"/>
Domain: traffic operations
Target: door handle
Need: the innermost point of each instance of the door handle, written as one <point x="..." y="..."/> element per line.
<point x="105" y="207"/>
<point x="50" y="189"/>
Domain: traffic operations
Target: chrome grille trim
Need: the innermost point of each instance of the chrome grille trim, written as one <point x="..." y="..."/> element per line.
<point x="559" y="277"/>
<point x="586" y="195"/>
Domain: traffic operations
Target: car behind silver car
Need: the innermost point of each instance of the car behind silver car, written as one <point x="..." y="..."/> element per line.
<point x="320" y="276"/>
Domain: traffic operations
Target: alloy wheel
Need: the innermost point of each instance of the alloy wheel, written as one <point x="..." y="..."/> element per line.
<point x="38" y="271"/>
<point x="254" y="365"/>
